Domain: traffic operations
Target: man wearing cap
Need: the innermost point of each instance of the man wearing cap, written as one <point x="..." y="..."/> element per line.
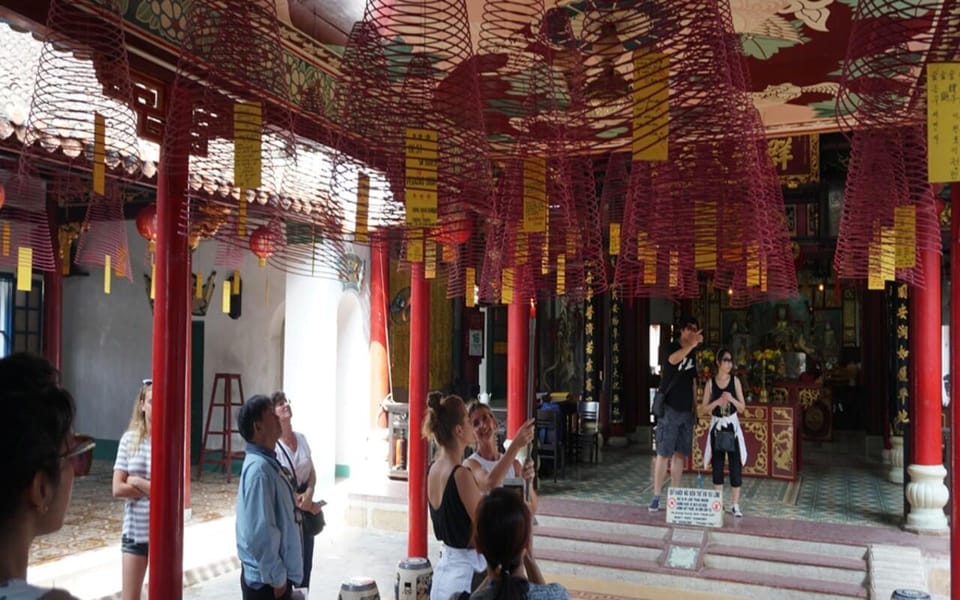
<point x="674" y="432"/>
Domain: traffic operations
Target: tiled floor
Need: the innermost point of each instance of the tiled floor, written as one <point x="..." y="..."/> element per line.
<point x="837" y="486"/>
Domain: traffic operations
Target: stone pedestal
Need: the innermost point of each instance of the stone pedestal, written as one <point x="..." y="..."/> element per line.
<point x="927" y="496"/>
<point x="896" y="460"/>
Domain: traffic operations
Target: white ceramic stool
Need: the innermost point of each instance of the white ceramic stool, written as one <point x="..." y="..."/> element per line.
<point x="414" y="578"/>
<point x="359" y="588"/>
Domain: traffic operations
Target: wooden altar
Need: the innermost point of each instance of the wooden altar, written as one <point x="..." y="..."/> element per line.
<point x="814" y="402"/>
<point x="771" y="433"/>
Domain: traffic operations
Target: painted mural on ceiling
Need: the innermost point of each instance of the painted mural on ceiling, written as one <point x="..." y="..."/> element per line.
<point x="793" y="48"/>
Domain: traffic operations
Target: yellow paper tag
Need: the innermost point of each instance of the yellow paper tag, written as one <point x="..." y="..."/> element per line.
<point x="247" y="157"/>
<point x="242" y="214"/>
<point x="674" y="273"/>
<point x="120" y="268"/>
<point x="561" y="274"/>
<point x="414" y="249"/>
<point x="888" y="253"/>
<point x="5" y="246"/>
<point x="520" y="253"/>
<point x="545" y="254"/>
<point x="363" y="206"/>
<point x="647" y="254"/>
<point x="651" y="104"/>
<point x="225" y="299"/>
<point x="705" y="230"/>
<point x="99" y="154"/>
<point x="614" y="239"/>
<point x="943" y="122"/>
<point x="420" y="184"/>
<point x="107" y="272"/>
<point x="534" y="195"/>
<point x="429" y="259"/>
<point x="905" y="224"/>
<point x="198" y="285"/>
<point x="753" y="264"/>
<point x="235" y="283"/>
<point x="469" y="285"/>
<point x="506" y="286"/>
<point x="24" y="269"/>
<point x="153" y="282"/>
<point x="874" y="260"/>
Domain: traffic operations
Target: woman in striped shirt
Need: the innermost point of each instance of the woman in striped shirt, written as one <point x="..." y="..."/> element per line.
<point x="131" y="481"/>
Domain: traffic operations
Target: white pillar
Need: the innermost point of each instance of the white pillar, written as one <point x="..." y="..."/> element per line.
<point x="927" y="495"/>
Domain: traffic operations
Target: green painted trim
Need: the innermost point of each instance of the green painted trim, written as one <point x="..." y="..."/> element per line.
<point x="342" y="471"/>
<point x="106" y="450"/>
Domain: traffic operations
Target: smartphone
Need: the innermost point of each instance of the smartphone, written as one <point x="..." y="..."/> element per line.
<point x="321" y="503"/>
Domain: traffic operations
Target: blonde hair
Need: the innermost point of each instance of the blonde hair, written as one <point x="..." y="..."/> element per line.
<point x="138" y="420"/>
<point x="444" y="413"/>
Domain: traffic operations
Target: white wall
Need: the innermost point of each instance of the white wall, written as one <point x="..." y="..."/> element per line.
<point x="310" y="367"/>
<point x="107" y="339"/>
<point x="353" y="381"/>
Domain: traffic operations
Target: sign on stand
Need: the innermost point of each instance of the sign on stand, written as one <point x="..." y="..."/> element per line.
<point x="694" y="506"/>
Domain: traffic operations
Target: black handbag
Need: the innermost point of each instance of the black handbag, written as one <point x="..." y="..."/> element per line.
<point x="312" y="523"/>
<point x="725" y="440"/>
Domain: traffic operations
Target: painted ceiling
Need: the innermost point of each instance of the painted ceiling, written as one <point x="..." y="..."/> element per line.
<point x="793" y="48"/>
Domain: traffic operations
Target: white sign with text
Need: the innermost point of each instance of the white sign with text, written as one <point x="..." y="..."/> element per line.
<point x="694" y="506"/>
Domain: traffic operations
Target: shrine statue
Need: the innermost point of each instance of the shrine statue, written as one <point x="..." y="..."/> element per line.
<point x="831" y="350"/>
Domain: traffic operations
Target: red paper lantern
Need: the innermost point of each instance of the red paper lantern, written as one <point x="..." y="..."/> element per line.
<point x="3" y="195"/>
<point x="263" y="243"/>
<point x="147" y="225"/>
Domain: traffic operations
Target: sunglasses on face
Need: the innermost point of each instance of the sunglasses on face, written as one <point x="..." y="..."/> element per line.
<point x="147" y="382"/>
<point x="75" y="453"/>
<point x="726" y="359"/>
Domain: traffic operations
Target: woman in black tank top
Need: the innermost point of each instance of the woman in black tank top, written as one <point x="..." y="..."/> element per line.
<point x="722" y="400"/>
<point x="452" y="494"/>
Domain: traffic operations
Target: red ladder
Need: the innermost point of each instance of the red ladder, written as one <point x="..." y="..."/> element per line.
<point x="224" y="455"/>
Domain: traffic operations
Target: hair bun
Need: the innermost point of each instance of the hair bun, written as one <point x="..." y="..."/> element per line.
<point x="433" y="400"/>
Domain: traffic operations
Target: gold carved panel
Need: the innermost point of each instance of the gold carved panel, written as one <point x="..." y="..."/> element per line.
<point x="808" y="396"/>
<point x="755" y="436"/>
<point x="754" y="413"/>
<point x="783" y="451"/>
<point x="780" y="395"/>
<point x="782" y="414"/>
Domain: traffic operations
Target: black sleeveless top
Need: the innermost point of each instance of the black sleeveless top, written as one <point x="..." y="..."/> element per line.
<point x="717" y="391"/>
<point x="451" y="522"/>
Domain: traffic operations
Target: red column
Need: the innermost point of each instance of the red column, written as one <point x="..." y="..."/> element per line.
<point x="53" y="293"/>
<point x="928" y="438"/>
<point x="187" y="360"/>
<point x="518" y="331"/>
<point x="169" y="369"/>
<point x="955" y="383"/>
<point x="379" y="365"/>
<point x="419" y="381"/>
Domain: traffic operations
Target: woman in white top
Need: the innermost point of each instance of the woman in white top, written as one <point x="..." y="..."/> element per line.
<point x="131" y="481"/>
<point x="40" y="455"/>
<point x="488" y="465"/>
<point x="293" y="452"/>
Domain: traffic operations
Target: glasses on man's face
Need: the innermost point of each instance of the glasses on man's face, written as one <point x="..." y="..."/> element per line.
<point x="74" y="454"/>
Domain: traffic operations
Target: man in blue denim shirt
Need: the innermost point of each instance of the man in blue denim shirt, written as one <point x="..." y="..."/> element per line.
<point x="268" y="532"/>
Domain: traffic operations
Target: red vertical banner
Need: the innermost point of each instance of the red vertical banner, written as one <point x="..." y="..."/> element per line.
<point x="379" y="292"/>
<point x="419" y="382"/>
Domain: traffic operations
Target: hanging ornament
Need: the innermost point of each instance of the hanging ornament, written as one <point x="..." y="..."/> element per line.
<point x="147" y="226"/>
<point x="263" y="243"/>
<point x="453" y="232"/>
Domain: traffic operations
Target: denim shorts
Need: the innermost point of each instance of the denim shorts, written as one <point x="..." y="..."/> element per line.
<point x="674" y="432"/>
<point x="128" y="546"/>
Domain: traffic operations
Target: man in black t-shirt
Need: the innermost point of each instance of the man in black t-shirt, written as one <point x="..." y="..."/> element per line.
<point x="674" y="433"/>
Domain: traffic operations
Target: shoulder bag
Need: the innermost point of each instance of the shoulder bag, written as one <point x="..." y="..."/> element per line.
<point x="312" y="524"/>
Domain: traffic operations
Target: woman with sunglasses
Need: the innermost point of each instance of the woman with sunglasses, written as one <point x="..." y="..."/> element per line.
<point x="37" y="441"/>
<point x="293" y="452"/>
<point x="131" y="481"/>
<point x="722" y="400"/>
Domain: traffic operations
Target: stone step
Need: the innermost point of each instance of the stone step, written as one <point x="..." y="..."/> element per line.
<point x="781" y="566"/>
<point x="599" y="526"/>
<point x="597" y="549"/>
<point x="739" y="584"/>
<point x="601" y="536"/>
<point x="724" y="538"/>
<point x="801" y="558"/>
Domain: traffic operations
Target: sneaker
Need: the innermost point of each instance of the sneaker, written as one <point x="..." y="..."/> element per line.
<point x="654" y="504"/>
<point x="735" y="511"/>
